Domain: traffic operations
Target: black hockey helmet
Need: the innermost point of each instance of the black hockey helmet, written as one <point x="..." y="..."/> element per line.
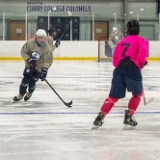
<point x="132" y="27"/>
<point x="51" y="30"/>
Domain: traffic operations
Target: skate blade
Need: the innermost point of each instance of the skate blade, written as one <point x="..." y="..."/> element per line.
<point x="94" y="127"/>
<point x="13" y="101"/>
<point x="128" y="127"/>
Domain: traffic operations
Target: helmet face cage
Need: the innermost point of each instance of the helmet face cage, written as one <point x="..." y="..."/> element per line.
<point x="41" y="37"/>
<point x="132" y="27"/>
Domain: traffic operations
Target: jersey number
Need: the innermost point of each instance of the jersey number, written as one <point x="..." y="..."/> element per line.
<point x="125" y="49"/>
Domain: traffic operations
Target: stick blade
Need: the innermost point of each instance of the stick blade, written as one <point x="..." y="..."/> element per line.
<point x="69" y="104"/>
<point x="150" y="100"/>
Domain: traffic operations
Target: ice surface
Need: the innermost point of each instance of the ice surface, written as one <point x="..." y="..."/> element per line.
<point x="45" y="129"/>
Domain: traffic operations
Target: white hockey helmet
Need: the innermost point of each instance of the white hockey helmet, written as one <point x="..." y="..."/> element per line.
<point x="115" y="29"/>
<point x="41" y="33"/>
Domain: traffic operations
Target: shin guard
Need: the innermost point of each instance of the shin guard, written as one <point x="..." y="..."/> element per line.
<point x="108" y="104"/>
<point x="134" y="103"/>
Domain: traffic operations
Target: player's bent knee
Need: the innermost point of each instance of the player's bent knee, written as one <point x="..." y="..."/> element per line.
<point x="27" y="72"/>
<point x="139" y="95"/>
<point x="114" y="100"/>
<point x="26" y="79"/>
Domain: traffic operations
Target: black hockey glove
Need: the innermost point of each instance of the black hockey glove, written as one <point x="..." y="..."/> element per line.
<point x="57" y="42"/>
<point x="32" y="63"/>
<point x="145" y="63"/>
<point x="43" y="74"/>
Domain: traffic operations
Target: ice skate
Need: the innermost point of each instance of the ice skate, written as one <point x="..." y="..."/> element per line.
<point x="27" y="96"/>
<point x="98" y="121"/>
<point x="17" y="98"/>
<point x="129" y="121"/>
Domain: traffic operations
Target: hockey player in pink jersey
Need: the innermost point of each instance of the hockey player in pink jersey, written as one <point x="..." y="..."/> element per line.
<point x="128" y="60"/>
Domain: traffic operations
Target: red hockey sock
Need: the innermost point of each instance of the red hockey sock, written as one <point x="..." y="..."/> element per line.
<point x="108" y="104"/>
<point x="134" y="103"/>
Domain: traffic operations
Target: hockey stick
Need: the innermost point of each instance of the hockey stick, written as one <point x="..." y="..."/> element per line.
<point x="144" y="99"/>
<point x="67" y="104"/>
<point x="69" y="14"/>
<point x="63" y="33"/>
<point x="111" y="45"/>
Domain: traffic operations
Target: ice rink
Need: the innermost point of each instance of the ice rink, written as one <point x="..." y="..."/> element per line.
<point x="43" y="128"/>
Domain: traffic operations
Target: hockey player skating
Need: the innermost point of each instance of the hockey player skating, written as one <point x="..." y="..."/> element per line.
<point x="38" y="57"/>
<point x="128" y="60"/>
<point x="114" y="38"/>
<point x="50" y="38"/>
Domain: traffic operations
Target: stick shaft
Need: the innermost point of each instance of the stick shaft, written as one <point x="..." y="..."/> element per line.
<point x="65" y="29"/>
<point x="55" y="92"/>
<point x="144" y="98"/>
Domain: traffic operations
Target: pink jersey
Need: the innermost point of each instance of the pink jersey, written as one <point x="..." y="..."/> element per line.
<point x="132" y="46"/>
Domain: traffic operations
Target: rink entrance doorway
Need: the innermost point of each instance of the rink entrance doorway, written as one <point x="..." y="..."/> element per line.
<point x="100" y="29"/>
<point x="17" y="30"/>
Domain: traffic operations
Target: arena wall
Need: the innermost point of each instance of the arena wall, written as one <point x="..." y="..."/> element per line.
<point x="69" y="50"/>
